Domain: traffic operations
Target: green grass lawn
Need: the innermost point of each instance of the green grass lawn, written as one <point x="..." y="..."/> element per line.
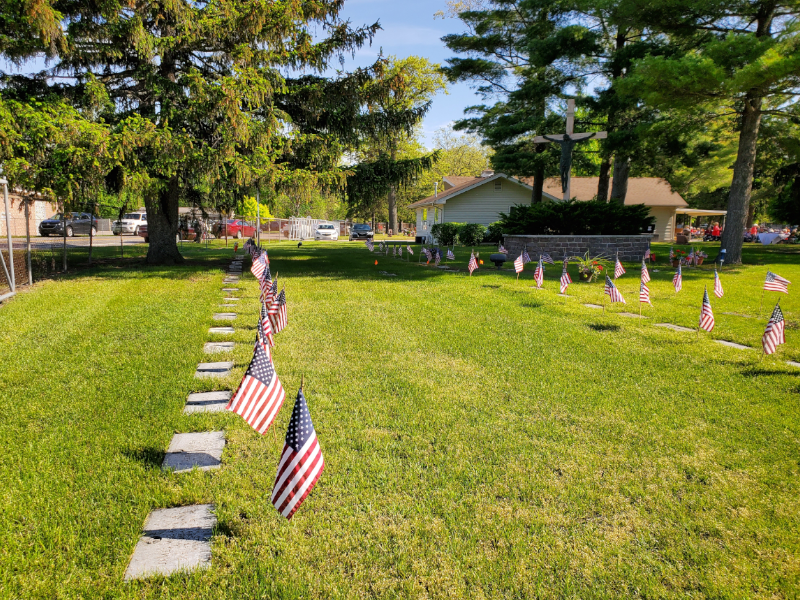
<point x="482" y="439"/>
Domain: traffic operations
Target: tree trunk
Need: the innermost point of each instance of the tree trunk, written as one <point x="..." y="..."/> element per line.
<point x="602" y="183"/>
<point x="538" y="184"/>
<point x="742" y="184"/>
<point x="619" y="186"/>
<point x="392" y="201"/>
<point x="751" y="215"/>
<point x="162" y="226"/>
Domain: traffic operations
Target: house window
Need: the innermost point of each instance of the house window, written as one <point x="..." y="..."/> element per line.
<point x="498" y="186"/>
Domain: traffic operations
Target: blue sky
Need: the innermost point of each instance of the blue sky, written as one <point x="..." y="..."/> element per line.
<point x="410" y="29"/>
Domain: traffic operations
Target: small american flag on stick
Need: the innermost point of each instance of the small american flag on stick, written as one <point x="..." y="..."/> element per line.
<point x="269" y="292"/>
<point x="502" y="249"/>
<point x="644" y="293"/>
<point x="438" y="257"/>
<point x="677" y="280"/>
<point x="717" y="285"/>
<point x="450" y="255"/>
<point x="774" y="334"/>
<point x="410" y="251"/>
<point x="526" y="258"/>
<point x="645" y="273"/>
<point x="776" y="283"/>
<point x="538" y="274"/>
<point x="565" y="278"/>
<point x="612" y="291"/>
<point x="518" y="265"/>
<point x="428" y="255"/>
<point x="259" y="266"/>
<point x="277" y="312"/>
<point x="265" y="326"/>
<point x="706" y="314"/>
<point x="301" y="461"/>
<point x="619" y="270"/>
<point x="260" y="394"/>
<point x="473" y="263"/>
<point x="370" y="245"/>
<point x="547" y="258"/>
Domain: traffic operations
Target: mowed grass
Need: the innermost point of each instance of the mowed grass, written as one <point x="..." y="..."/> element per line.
<point x="482" y="439"/>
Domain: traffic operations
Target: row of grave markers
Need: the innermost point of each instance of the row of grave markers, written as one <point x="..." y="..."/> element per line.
<point x="179" y="539"/>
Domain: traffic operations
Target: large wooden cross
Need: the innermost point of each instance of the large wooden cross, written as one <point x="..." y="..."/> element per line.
<point x="568" y="141"/>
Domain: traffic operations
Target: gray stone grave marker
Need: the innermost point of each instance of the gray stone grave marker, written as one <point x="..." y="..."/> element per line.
<point x="791" y="363"/>
<point x="206" y="402"/>
<point x="226" y="316"/>
<point x="600" y="306"/>
<point x="632" y="315"/>
<point x="675" y="327"/>
<point x="174" y="539"/>
<point x="221" y="330"/>
<point x="230" y="289"/>
<point x="733" y="345"/>
<point x="213" y="369"/>
<point x="189" y="450"/>
<point x="214" y="347"/>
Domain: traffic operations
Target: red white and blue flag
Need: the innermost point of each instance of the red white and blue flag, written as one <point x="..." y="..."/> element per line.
<point x="301" y="462"/>
<point x="277" y="312"/>
<point x="428" y="255"/>
<point x="677" y="280"/>
<point x="473" y="263"/>
<point x="259" y="265"/>
<point x="619" y="270"/>
<point x="644" y="293"/>
<point x="370" y="245"/>
<point x="265" y="326"/>
<point x="706" y="314"/>
<point x="774" y="334"/>
<point x="518" y="264"/>
<point x="502" y="249"/>
<point x="565" y="278"/>
<point x="450" y="255"/>
<point x="717" y="285"/>
<point x="645" y="273"/>
<point x="410" y="251"/>
<point x="547" y="258"/>
<point x="538" y="274"/>
<point x="526" y="258"/>
<point x="260" y="394"/>
<point x="612" y="291"/>
<point x="776" y="283"/>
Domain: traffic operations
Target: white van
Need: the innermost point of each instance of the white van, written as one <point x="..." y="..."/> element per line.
<point x="130" y="223"/>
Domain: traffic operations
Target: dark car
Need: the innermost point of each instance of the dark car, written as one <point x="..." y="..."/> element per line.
<point x="185" y="232"/>
<point x="76" y="224"/>
<point x="361" y="231"/>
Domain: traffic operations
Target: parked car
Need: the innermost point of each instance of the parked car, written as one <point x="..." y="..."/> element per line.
<point x="326" y="231"/>
<point x="76" y="224"/>
<point x="361" y="231"/>
<point x="130" y="223"/>
<point x="235" y="228"/>
<point x="186" y="234"/>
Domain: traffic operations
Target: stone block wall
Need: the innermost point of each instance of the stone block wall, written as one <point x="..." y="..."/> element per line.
<point x="631" y="247"/>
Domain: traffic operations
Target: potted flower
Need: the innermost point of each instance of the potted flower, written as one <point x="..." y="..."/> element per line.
<point x="700" y="256"/>
<point x="678" y="256"/>
<point x="589" y="267"/>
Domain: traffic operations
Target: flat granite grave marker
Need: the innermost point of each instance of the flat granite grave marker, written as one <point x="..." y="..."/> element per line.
<point x="174" y="539"/>
<point x="228" y="305"/>
<point x="594" y="305"/>
<point x="213" y="369"/>
<point x="214" y="347"/>
<point x="733" y="345"/>
<point x="230" y="289"/>
<point x="189" y="450"/>
<point x="632" y="315"/>
<point x="227" y="316"/>
<point x="791" y="363"/>
<point x="221" y="330"/>
<point x="206" y="402"/>
<point x="674" y="327"/>
<point x="231" y="299"/>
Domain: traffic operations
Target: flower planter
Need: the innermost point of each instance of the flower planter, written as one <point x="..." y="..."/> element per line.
<point x="699" y="261"/>
<point x="586" y="277"/>
<point x="676" y="263"/>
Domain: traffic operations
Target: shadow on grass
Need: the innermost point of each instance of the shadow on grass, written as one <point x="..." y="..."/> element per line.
<point x="531" y="304"/>
<point x="760" y="372"/>
<point x="149" y="456"/>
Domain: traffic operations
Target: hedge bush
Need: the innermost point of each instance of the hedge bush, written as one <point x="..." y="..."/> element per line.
<point x="576" y="218"/>
<point x="446" y="234"/>
<point x="494" y="233"/>
<point x="471" y="234"/>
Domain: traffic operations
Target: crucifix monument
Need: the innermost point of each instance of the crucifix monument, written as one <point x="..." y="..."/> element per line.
<point x="568" y="141"/>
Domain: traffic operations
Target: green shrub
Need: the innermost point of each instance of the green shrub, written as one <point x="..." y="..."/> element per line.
<point x="471" y="234"/>
<point x="446" y="234"/>
<point x="576" y="218"/>
<point x="494" y="233"/>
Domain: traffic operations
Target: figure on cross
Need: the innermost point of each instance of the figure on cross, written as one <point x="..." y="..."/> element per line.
<point x="568" y="141"/>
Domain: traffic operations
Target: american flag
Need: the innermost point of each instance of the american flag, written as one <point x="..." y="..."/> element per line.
<point x="259" y="265"/>
<point x="410" y="251"/>
<point x="501" y="249"/>
<point x="774" y="334"/>
<point x="717" y="285"/>
<point x="438" y="257"/>
<point x="264" y="283"/>
<point x="301" y="461"/>
<point x="370" y="245"/>
<point x="565" y="278"/>
<point x="473" y="263"/>
<point x="400" y="251"/>
<point x="394" y="250"/>
<point x="265" y="326"/>
<point x="706" y="314"/>
<point x="518" y="264"/>
<point x="613" y="292"/>
<point x="776" y="283"/>
<point x="644" y="293"/>
<point x="428" y="255"/>
<point x="677" y="280"/>
<point x="269" y="289"/>
<point x="526" y="258"/>
<point x="646" y="254"/>
<point x="260" y="394"/>
<point x="619" y="270"/>
<point x="547" y="258"/>
<point x="671" y="253"/>
<point x="645" y="272"/>
<point x="450" y="255"/>
<point x="538" y="274"/>
<point x="277" y="312"/>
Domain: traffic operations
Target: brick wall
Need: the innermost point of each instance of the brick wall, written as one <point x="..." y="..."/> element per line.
<point x="631" y="247"/>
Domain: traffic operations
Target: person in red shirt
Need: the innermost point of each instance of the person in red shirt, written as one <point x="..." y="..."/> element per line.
<point x="715" y="230"/>
<point x="754" y="229"/>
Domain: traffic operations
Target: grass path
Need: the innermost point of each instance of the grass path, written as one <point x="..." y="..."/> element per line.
<point x="482" y="439"/>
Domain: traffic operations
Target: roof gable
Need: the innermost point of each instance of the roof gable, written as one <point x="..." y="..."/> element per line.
<point x="464" y="184"/>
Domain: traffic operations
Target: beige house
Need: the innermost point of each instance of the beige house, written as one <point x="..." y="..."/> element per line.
<point x="482" y="199"/>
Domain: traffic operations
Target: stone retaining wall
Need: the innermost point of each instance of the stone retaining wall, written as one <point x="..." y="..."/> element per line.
<point x="631" y="247"/>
